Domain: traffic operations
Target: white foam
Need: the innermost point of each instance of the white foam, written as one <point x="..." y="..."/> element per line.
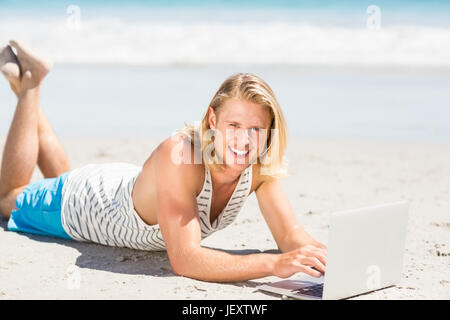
<point x="171" y="42"/>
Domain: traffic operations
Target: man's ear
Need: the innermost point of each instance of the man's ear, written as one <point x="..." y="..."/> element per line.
<point x="212" y="118"/>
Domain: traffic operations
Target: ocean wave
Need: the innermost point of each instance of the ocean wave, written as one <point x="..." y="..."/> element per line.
<point x="165" y="43"/>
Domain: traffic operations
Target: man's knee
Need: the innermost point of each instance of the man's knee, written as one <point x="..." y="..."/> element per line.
<point x="4" y="207"/>
<point x="8" y="201"/>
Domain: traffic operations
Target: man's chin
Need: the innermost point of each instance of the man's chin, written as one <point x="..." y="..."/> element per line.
<point x="239" y="164"/>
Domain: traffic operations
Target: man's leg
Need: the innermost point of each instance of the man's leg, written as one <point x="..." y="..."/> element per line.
<point x="23" y="148"/>
<point x="52" y="159"/>
<point x="52" y="162"/>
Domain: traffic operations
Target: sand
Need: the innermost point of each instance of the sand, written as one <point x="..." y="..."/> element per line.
<point x="326" y="175"/>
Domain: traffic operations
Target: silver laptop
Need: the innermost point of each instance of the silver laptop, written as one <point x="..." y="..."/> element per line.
<point x="365" y="253"/>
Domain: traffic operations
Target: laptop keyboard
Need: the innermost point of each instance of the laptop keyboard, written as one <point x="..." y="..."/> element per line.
<point x="315" y="290"/>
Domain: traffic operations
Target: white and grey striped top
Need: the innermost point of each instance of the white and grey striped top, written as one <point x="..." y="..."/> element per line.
<point x="97" y="207"/>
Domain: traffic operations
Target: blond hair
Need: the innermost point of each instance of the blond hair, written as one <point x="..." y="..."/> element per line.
<point x="250" y="88"/>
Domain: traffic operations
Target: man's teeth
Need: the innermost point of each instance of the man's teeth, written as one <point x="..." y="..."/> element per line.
<point x="239" y="152"/>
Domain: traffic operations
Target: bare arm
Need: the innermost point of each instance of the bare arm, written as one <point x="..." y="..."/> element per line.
<point x="279" y="216"/>
<point x="288" y="233"/>
<point x="179" y="221"/>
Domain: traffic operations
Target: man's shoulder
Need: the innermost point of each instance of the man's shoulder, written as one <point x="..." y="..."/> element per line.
<point x="177" y="154"/>
<point x="179" y="149"/>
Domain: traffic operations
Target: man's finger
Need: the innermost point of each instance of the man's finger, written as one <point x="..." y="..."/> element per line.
<point x="319" y="254"/>
<point x="309" y="271"/>
<point x="312" y="261"/>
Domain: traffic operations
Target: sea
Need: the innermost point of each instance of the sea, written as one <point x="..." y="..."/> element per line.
<point x="339" y="69"/>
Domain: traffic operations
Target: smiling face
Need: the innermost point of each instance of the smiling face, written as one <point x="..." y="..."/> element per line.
<point x="242" y="128"/>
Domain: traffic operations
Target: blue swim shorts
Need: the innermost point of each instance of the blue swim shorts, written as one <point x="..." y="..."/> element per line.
<point x="39" y="208"/>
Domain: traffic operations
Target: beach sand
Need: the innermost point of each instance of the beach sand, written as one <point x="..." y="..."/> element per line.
<point x="326" y="175"/>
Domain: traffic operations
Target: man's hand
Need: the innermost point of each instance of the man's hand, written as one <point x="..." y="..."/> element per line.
<point x="309" y="259"/>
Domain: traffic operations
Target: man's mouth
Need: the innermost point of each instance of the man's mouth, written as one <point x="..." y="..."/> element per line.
<point x="239" y="153"/>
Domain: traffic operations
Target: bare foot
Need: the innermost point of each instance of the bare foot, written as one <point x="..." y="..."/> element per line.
<point x="9" y="66"/>
<point x="33" y="67"/>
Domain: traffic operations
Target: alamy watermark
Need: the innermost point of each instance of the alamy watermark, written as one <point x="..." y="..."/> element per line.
<point x="373" y="21"/>
<point x="73" y="281"/>
<point x="373" y="281"/>
<point x="74" y="17"/>
<point x="238" y="146"/>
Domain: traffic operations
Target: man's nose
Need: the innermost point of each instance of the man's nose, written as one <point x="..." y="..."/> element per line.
<point x="242" y="138"/>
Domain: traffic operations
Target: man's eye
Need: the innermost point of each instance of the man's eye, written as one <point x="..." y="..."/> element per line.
<point x="233" y="124"/>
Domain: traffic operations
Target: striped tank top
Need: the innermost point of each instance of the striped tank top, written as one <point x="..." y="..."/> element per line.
<point x="97" y="207"/>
